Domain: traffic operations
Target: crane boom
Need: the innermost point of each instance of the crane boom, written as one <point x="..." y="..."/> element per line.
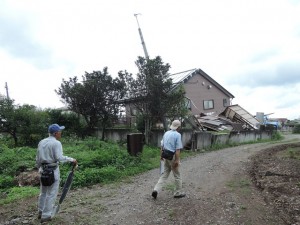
<point x="141" y="36"/>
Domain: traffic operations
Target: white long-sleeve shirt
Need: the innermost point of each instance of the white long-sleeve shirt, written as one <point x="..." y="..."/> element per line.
<point x="50" y="151"/>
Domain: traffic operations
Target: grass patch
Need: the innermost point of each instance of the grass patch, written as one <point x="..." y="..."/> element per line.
<point x="294" y="153"/>
<point x="171" y="213"/>
<point x="239" y="185"/>
<point x="291" y="153"/>
<point x="170" y="187"/>
<point x="17" y="193"/>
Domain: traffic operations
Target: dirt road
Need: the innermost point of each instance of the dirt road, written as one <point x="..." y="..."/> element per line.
<point x="218" y="186"/>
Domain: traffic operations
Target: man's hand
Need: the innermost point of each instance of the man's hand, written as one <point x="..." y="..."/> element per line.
<point x="176" y="163"/>
<point x="74" y="162"/>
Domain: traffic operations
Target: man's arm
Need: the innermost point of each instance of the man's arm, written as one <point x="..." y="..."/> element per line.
<point x="177" y="158"/>
<point x="60" y="156"/>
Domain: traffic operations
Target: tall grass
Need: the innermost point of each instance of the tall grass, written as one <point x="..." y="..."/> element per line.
<point x="98" y="162"/>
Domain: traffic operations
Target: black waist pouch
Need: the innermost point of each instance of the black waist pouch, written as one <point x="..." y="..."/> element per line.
<point x="47" y="177"/>
<point x="166" y="154"/>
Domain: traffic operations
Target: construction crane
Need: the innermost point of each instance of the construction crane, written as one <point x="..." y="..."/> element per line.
<point x="141" y="35"/>
<point x="6" y="87"/>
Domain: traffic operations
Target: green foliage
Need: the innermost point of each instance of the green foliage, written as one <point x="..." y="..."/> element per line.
<point x="13" y="161"/>
<point x="25" y="124"/>
<point x="99" y="162"/>
<point x="74" y="123"/>
<point x="276" y="135"/>
<point x="6" y="182"/>
<point x="152" y="92"/>
<point x="296" y="129"/>
<point x="31" y="125"/>
<point x="95" y="98"/>
<point x="294" y="153"/>
<point x="17" y="193"/>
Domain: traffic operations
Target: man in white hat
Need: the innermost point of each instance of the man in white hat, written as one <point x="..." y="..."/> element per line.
<point x="49" y="154"/>
<point x="170" y="148"/>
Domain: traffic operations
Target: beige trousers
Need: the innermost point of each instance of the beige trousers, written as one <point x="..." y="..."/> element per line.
<point x="163" y="178"/>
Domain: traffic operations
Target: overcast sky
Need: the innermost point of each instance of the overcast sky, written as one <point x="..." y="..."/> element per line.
<point x="250" y="47"/>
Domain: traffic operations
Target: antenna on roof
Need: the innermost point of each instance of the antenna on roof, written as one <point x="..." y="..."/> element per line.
<point x="141" y="35"/>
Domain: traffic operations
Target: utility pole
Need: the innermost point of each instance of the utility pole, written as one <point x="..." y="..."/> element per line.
<point x="141" y="35"/>
<point x="6" y="87"/>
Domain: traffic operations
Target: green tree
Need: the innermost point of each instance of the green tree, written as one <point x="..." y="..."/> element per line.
<point x="73" y="122"/>
<point x="95" y="98"/>
<point x="7" y="121"/>
<point x="24" y="123"/>
<point x="154" y="94"/>
<point x="31" y="124"/>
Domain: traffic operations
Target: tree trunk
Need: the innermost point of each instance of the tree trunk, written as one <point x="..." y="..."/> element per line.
<point x="14" y="135"/>
<point x="164" y="121"/>
<point x="103" y="134"/>
<point x="147" y="130"/>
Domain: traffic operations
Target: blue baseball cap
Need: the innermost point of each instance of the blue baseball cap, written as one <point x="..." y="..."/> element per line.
<point x="55" y="128"/>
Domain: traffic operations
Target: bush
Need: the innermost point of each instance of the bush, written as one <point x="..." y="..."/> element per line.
<point x="276" y="136"/>
<point x="6" y="182"/>
<point x="296" y="129"/>
<point x="16" y="193"/>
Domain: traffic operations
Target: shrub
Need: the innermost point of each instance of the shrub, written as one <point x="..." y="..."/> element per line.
<point x="296" y="129"/>
<point x="6" y="182"/>
<point x="276" y="136"/>
<point x="16" y="193"/>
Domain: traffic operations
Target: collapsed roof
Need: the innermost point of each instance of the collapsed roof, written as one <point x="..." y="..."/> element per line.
<point x="233" y="118"/>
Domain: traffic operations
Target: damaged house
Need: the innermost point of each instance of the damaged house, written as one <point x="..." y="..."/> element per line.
<point x="205" y="95"/>
<point x="209" y="102"/>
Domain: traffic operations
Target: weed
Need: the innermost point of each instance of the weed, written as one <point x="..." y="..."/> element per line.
<point x="170" y="187"/>
<point x="276" y="136"/>
<point x="292" y="153"/>
<point x="241" y="185"/>
<point x="171" y="213"/>
<point x="17" y="193"/>
<point x="243" y="207"/>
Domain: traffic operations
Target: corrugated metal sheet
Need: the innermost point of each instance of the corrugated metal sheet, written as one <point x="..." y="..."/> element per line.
<point x="180" y="77"/>
<point x="237" y="114"/>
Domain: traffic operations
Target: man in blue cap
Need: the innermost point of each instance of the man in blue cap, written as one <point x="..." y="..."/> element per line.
<point x="49" y="154"/>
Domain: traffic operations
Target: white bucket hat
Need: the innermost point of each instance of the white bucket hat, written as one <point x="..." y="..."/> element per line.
<point x="175" y="124"/>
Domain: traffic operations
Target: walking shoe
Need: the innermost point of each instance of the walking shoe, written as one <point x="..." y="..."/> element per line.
<point x="46" y="219"/>
<point x="179" y="195"/>
<point x="154" y="194"/>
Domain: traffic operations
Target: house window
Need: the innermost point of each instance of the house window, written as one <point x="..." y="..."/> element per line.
<point x="188" y="103"/>
<point x="208" y="104"/>
<point x="225" y="104"/>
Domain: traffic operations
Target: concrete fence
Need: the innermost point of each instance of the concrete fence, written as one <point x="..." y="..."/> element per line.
<point x="191" y="139"/>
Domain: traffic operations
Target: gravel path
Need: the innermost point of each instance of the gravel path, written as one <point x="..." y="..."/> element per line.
<point x="218" y="188"/>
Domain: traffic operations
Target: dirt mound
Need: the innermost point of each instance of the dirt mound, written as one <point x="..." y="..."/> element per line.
<point x="277" y="174"/>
